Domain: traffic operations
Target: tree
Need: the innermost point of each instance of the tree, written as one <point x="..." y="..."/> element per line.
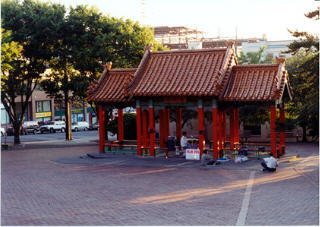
<point x="33" y="26"/>
<point x="12" y="82"/>
<point x="303" y="69"/>
<point x="254" y="57"/>
<point x="250" y="115"/>
<point x="87" y="40"/>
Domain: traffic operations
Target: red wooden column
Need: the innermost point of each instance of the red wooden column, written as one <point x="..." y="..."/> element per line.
<point x="214" y="129"/>
<point x="219" y="129"/>
<point x="201" y="126"/>
<point x="178" y="123"/>
<point x="282" y="131"/>
<point x="224" y="126"/>
<point x="237" y="125"/>
<point x="138" y="119"/>
<point x="273" y="116"/>
<point x="152" y="129"/>
<point x="231" y="129"/>
<point x="162" y="128"/>
<point x="145" y="140"/>
<point x="168" y="122"/>
<point x="120" y="125"/>
<point x="102" y="132"/>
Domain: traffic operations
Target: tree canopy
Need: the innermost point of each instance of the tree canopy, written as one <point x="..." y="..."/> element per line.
<point x="303" y="69"/>
<point x="70" y="45"/>
<point x="32" y="26"/>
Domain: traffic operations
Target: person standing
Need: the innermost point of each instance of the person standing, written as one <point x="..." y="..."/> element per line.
<point x="269" y="164"/>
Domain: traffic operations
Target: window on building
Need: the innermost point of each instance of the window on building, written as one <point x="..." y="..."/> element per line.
<point x="43" y="106"/>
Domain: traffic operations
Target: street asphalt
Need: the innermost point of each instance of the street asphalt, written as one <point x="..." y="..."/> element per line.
<point x="43" y="185"/>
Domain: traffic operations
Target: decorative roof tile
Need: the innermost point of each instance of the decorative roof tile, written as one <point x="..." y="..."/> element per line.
<point x="256" y="83"/>
<point x="184" y="72"/>
<point x="112" y="86"/>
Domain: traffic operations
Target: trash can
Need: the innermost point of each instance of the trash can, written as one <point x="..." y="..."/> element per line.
<point x="171" y="144"/>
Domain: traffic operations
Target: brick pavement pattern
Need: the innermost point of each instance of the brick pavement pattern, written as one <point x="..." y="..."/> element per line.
<point x="38" y="190"/>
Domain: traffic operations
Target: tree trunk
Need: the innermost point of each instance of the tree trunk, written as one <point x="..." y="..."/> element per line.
<point x="16" y="133"/>
<point x="67" y="115"/>
<point x="304" y="134"/>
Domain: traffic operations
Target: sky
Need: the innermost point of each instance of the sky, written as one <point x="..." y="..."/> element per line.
<point x="250" y="18"/>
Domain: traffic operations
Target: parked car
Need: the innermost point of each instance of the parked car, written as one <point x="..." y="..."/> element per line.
<point x="10" y="131"/>
<point x="30" y="127"/>
<point x="3" y="131"/>
<point x="94" y="126"/>
<point x="53" y="126"/>
<point x="80" y="125"/>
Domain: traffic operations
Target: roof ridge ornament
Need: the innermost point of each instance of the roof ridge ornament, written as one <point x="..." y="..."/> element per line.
<point x="280" y="60"/>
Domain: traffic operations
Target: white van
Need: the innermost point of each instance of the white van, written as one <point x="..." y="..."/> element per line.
<point x="80" y="125"/>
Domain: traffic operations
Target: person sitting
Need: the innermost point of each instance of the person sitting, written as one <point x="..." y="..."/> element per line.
<point x="269" y="164"/>
<point x="243" y="151"/>
<point x="206" y="159"/>
<point x="184" y="143"/>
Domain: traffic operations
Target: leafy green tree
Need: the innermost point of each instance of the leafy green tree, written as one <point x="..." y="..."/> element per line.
<point x="12" y="82"/>
<point x="33" y="26"/>
<point x="89" y="39"/>
<point x="254" y="57"/>
<point x="303" y="69"/>
<point x="251" y="115"/>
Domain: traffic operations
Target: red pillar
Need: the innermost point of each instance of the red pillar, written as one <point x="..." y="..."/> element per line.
<point x="120" y="125"/>
<point x="201" y="129"/>
<point x="237" y="125"/>
<point x="90" y="118"/>
<point x="168" y="122"/>
<point x="139" y="137"/>
<point x="224" y="127"/>
<point x="178" y="123"/>
<point x="273" y="116"/>
<point x="231" y="129"/>
<point x="152" y="131"/>
<point x="282" y="132"/>
<point x="162" y="128"/>
<point x="102" y="132"/>
<point x="145" y="141"/>
<point x="215" y="130"/>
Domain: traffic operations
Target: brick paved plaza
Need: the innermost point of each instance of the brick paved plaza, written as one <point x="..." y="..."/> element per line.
<point x="54" y="186"/>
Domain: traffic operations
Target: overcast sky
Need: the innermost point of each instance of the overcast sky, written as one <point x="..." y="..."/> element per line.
<point x="251" y="17"/>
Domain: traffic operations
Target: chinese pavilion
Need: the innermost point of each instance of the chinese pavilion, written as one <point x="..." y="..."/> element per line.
<point x="204" y="78"/>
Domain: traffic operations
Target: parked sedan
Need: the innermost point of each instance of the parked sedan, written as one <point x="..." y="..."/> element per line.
<point x="80" y="125"/>
<point x="30" y="127"/>
<point x="3" y="131"/>
<point x="53" y="126"/>
<point x="94" y="126"/>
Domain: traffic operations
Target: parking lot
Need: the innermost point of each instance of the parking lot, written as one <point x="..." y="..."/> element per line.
<point x="58" y="136"/>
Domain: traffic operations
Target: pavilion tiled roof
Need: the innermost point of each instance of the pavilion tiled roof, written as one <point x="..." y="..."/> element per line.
<point x="112" y="86"/>
<point x="183" y="73"/>
<point x="256" y="83"/>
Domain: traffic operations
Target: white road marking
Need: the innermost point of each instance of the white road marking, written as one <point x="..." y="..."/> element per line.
<point x="246" y="200"/>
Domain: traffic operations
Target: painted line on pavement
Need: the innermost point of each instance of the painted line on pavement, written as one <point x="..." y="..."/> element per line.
<point x="246" y="200"/>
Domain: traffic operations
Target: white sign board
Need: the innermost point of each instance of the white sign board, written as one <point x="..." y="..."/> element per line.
<point x="192" y="154"/>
